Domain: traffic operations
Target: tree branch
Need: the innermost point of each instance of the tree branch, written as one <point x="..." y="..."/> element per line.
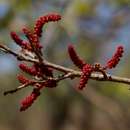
<point x="42" y="73"/>
<point x="70" y="73"/>
<point x="94" y="76"/>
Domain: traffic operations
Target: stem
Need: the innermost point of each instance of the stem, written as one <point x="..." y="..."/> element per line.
<point x="94" y="76"/>
<point x="69" y="73"/>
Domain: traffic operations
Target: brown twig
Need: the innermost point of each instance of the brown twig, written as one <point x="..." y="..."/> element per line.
<point x="94" y="76"/>
<point x="18" y="88"/>
<point x="69" y="73"/>
<point x="17" y="55"/>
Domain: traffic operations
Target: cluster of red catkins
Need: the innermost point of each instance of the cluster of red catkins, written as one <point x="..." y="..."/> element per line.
<point x="87" y="69"/>
<point x="32" y="47"/>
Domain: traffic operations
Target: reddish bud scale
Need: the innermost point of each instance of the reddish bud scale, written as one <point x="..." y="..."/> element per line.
<point x="50" y="83"/>
<point x="86" y="72"/>
<point x="75" y="58"/>
<point x="43" y="70"/>
<point x="115" y="58"/>
<point x="47" y="71"/>
<point x="45" y="19"/>
<point x="28" y="101"/>
<point x="22" y="79"/>
<point x="19" y="41"/>
<point x="29" y="70"/>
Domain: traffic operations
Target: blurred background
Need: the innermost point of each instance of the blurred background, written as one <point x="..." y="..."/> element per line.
<point x="95" y="27"/>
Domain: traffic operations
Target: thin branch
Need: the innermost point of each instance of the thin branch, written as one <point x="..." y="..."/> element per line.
<point x="18" y="56"/>
<point x="8" y="50"/>
<point x="21" y="87"/>
<point x="94" y="76"/>
<point x="16" y="89"/>
<point x="69" y="73"/>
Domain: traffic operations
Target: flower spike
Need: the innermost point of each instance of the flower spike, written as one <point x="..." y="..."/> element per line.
<point x="74" y="57"/>
<point x="33" y="38"/>
<point x="45" y="19"/>
<point x="28" y="101"/>
<point x="29" y="70"/>
<point x="22" y="79"/>
<point x="112" y="63"/>
<point x="20" y="42"/>
<point x="86" y="72"/>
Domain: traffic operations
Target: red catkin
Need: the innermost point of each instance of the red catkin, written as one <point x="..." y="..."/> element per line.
<point x="19" y="41"/>
<point x="22" y="79"/>
<point x="45" y="19"/>
<point x="29" y="70"/>
<point x="28" y="101"/>
<point x="33" y="38"/>
<point x="16" y="38"/>
<point x="29" y="35"/>
<point x="86" y="72"/>
<point x="115" y="58"/>
<point x="74" y="57"/>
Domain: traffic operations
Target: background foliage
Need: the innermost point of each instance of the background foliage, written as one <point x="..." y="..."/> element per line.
<point x="95" y="27"/>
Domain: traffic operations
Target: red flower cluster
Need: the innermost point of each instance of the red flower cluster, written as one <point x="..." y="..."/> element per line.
<point x="23" y="44"/>
<point x="87" y="69"/>
<point x="115" y="58"/>
<point x="33" y="36"/>
<point x="41" y="73"/>
<point x="29" y="70"/>
<point x="86" y="72"/>
<point x="75" y="58"/>
<point x="38" y="71"/>
<point x="45" y="19"/>
<point x="22" y="79"/>
<point x="33" y="39"/>
<point x="28" y="101"/>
